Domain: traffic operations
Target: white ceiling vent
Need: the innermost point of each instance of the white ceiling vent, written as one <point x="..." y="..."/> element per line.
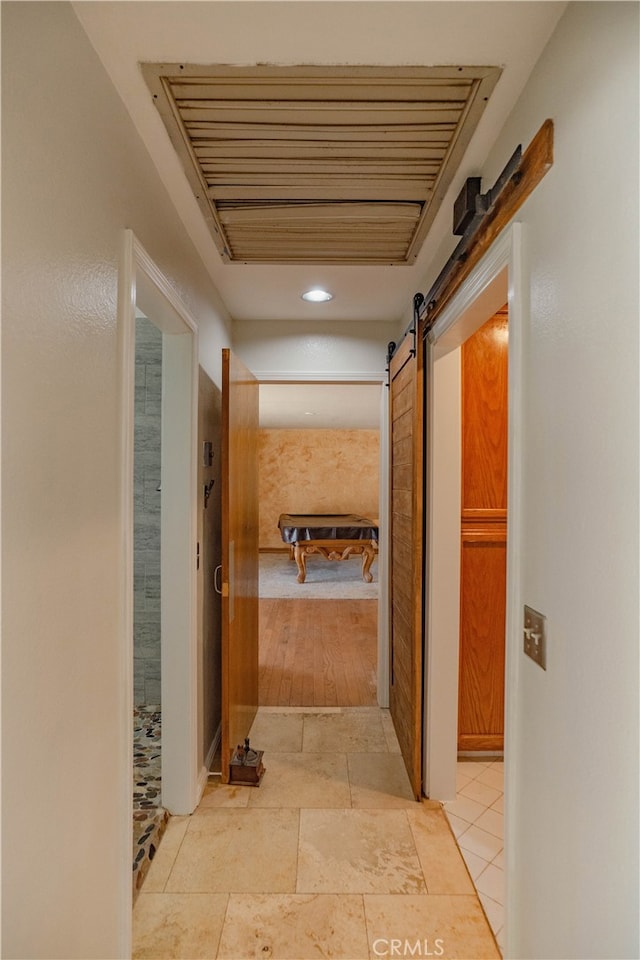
<point x="320" y="164"/>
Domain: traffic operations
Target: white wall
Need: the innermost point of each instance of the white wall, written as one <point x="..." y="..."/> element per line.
<point x="572" y="819"/>
<point x="74" y="176"/>
<point x="313" y="350"/>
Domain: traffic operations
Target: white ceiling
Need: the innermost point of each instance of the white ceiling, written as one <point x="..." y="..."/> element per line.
<point x="249" y="32"/>
<point x="304" y="406"/>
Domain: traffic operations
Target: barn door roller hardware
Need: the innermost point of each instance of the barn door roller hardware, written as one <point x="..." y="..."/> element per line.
<point x="469" y="212"/>
<point x="479" y="218"/>
<point x="412" y="330"/>
<point x="391" y="349"/>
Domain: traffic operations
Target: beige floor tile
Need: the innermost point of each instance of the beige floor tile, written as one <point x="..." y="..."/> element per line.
<point x="480" y="792"/>
<point x="166" y="853"/>
<point x="303" y="780"/>
<point x="357" y="851"/>
<point x="475" y="864"/>
<point x="498" y="860"/>
<point x="480" y="842"/>
<point x="176" y="926"/>
<point x="379" y="780"/>
<point x="277" y="732"/>
<point x="491" y="883"/>
<point x="492" y="822"/>
<point x="449" y="926"/>
<point x="498" y="805"/>
<point x="472" y="768"/>
<point x="461" y="779"/>
<point x="294" y="927"/>
<point x="442" y="864"/>
<point x="218" y="794"/>
<point x="493" y="910"/>
<point x="458" y="825"/>
<point x="465" y="808"/>
<point x="237" y="851"/>
<point x="493" y="776"/>
<point x="355" y="732"/>
<point x="389" y="732"/>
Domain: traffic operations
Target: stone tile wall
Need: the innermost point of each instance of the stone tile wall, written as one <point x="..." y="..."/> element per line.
<point x="146" y="580"/>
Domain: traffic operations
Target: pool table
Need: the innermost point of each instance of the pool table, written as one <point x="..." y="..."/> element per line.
<point x="334" y="536"/>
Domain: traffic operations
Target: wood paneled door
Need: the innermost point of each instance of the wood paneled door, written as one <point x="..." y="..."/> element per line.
<point x="239" y="553"/>
<point x="406" y="567"/>
<point x="483" y="537"/>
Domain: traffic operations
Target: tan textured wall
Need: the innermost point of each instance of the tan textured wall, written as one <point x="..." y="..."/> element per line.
<point x="316" y="471"/>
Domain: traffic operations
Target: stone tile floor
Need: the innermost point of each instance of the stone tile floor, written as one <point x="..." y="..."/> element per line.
<point x="329" y="857"/>
<point x="149" y="818"/>
<point x="476" y="818"/>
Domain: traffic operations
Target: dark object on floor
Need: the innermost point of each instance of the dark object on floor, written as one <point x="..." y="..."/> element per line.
<point x="246" y="765"/>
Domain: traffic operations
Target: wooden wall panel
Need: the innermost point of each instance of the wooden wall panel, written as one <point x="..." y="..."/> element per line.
<point x="483" y="537"/>
<point x="484" y="408"/>
<point x="482" y="623"/>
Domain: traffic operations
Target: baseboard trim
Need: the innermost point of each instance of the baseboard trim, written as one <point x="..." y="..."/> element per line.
<point x="206" y="768"/>
<point x="321" y="376"/>
<point x="478" y="742"/>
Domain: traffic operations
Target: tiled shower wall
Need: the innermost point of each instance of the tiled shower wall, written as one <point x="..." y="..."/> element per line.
<point x="146" y="551"/>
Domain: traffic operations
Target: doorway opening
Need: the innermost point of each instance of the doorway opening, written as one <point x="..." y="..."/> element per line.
<point x="149" y="817"/>
<point x="476" y="815"/>
<point x="158" y="546"/>
<point x="496" y="279"/>
<point x="320" y="454"/>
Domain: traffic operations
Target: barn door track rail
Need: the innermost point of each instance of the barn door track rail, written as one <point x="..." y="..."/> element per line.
<point x="480" y="217"/>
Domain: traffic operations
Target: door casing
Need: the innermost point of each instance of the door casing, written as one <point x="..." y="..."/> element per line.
<point x="143" y="284"/>
<point x="497" y="278"/>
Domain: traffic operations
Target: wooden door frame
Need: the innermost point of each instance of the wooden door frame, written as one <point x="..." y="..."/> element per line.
<point x="479" y="296"/>
<point x="181" y="777"/>
<point x="358" y="377"/>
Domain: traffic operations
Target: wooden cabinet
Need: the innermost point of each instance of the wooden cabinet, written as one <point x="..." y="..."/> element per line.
<point x="483" y="537"/>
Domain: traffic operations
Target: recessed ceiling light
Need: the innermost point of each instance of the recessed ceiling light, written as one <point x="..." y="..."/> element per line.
<point x="317" y="296"/>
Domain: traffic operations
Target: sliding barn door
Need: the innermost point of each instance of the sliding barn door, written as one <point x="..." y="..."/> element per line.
<point x="406" y="510"/>
<point x="239" y="553"/>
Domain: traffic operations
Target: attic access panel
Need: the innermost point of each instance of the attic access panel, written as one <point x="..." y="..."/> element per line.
<point x="320" y="164"/>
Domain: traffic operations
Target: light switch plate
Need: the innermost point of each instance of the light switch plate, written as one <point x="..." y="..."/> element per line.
<point x="535" y="636"/>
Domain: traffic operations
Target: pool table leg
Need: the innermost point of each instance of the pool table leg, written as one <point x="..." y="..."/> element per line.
<point x="368" y="556"/>
<point x="301" y="562"/>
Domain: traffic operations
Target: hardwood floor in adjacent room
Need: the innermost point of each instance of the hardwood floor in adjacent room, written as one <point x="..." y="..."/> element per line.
<point x="318" y="653"/>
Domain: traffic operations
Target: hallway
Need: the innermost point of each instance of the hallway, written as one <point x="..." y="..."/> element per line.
<point x="329" y="857"/>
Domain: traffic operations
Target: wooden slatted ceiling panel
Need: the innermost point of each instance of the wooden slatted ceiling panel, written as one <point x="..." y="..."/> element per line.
<point x="309" y="164"/>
